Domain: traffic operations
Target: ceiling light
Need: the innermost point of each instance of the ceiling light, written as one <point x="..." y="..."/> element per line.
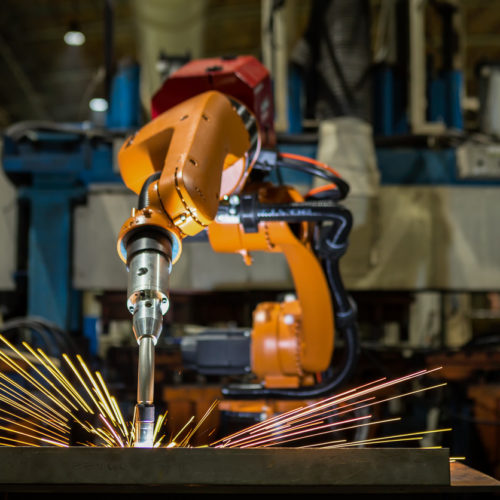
<point x="74" y="35"/>
<point x="74" y="38"/>
<point x="98" y="104"/>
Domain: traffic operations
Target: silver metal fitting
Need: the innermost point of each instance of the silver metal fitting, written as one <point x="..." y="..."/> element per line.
<point x="144" y="418"/>
<point x="149" y="266"/>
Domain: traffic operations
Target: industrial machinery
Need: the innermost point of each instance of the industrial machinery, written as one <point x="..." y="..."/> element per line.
<point x="199" y="165"/>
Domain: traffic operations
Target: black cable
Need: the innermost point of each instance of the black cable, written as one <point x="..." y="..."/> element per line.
<point x="271" y="161"/>
<point x="19" y="324"/>
<point x="279" y="176"/>
<point x="57" y="340"/>
<point x="143" y="195"/>
<point x="309" y="211"/>
<point x="333" y="244"/>
<point x="69" y="344"/>
<point x="317" y="391"/>
<point x="309" y="168"/>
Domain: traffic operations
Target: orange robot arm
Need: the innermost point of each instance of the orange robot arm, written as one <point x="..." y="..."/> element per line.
<point x="182" y="164"/>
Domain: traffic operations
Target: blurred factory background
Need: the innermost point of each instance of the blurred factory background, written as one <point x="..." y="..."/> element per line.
<point x="401" y="97"/>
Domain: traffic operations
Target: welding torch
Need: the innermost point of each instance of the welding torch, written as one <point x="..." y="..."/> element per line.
<point x="180" y="164"/>
<point x="149" y="255"/>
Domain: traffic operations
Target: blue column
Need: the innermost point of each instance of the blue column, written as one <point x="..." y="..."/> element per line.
<point x="50" y="293"/>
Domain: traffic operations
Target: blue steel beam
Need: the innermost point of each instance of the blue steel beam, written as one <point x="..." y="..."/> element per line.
<point x="49" y="262"/>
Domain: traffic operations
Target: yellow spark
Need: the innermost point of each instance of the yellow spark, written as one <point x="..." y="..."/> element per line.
<point x="32" y="380"/>
<point x="33" y="367"/>
<point x="80" y="378"/>
<point x="325" y="444"/>
<point x="57" y="374"/>
<point x="183" y="428"/>
<point x="120" y="417"/>
<point x="40" y="416"/>
<point x="397" y="436"/>
<point x="255" y="427"/>
<point x="305" y="422"/>
<point x="200" y="423"/>
<point x="18" y="441"/>
<point x="43" y="429"/>
<point x="108" y="411"/>
<point x="158" y="443"/>
<point x="49" y="441"/>
<point x="294" y="433"/>
<point x="114" y="410"/>
<point x="103" y="435"/>
<point x="108" y="425"/>
<point x="159" y="423"/>
<point x="12" y="389"/>
<point x="40" y="432"/>
<point x="374" y="442"/>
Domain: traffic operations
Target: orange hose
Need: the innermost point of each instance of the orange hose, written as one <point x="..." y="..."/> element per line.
<point x="321" y="189"/>
<point x="306" y="159"/>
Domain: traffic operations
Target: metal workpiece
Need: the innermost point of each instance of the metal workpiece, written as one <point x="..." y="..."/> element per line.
<point x="144" y="423"/>
<point x="366" y="470"/>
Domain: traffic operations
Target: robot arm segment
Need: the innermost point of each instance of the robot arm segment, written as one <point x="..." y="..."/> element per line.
<point x="199" y="147"/>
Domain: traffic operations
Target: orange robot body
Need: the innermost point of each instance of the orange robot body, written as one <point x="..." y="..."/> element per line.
<point x="182" y="164"/>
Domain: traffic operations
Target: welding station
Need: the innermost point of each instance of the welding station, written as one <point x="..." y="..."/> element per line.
<point x="250" y="246"/>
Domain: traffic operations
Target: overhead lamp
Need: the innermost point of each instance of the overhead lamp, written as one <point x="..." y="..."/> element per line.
<point x="74" y="36"/>
<point x="98" y="104"/>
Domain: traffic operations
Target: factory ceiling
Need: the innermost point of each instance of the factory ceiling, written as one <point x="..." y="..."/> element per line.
<point x="43" y="77"/>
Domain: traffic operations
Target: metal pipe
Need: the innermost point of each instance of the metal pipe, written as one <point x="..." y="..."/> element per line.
<point x="144" y="410"/>
<point x="145" y="376"/>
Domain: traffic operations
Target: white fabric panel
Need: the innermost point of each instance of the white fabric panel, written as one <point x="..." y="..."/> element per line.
<point x="410" y="238"/>
<point x="346" y="143"/>
<point x="98" y="267"/>
<point x="426" y="237"/>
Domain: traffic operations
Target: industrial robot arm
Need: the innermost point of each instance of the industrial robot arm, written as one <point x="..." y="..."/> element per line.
<point x="182" y="164"/>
